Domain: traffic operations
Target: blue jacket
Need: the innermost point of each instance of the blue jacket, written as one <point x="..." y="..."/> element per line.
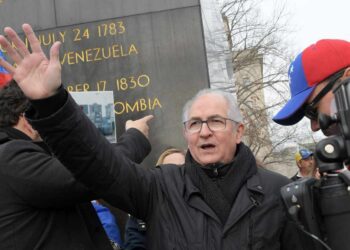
<point x="108" y="222"/>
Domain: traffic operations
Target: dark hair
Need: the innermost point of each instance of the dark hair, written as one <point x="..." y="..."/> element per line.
<point x="13" y="103"/>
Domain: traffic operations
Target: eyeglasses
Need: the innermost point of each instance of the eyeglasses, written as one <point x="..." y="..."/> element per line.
<point x="310" y="110"/>
<point x="216" y="123"/>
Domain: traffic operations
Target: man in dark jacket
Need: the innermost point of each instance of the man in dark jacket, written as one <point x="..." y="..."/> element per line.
<point x="42" y="206"/>
<point x="218" y="200"/>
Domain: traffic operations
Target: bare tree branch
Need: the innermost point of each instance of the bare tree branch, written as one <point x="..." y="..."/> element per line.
<point x="260" y="63"/>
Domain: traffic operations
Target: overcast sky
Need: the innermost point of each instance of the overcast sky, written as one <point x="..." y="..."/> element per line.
<point x="316" y="19"/>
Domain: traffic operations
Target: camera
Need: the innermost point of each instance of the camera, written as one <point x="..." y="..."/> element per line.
<point x="321" y="208"/>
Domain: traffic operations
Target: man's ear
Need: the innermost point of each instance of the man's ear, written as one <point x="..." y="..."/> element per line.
<point x="298" y="164"/>
<point x="347" y="72"/>
<point x="239" y="132"/>
<point x="184" y="132"/>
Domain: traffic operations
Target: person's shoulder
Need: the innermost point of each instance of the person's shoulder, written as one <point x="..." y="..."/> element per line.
<point x="295" y="177"/>
<point x="4" y="137"/>
<point x="272" y="177"/>
<point x="172" y="169"/>
<point x="171" y="174"/>
<point x="16" y="145"/>
<point x="20" y="145"/>
<point x="17" y="153"/>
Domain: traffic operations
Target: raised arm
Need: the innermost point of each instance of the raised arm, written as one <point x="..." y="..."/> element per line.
<point x="110" y="171"/>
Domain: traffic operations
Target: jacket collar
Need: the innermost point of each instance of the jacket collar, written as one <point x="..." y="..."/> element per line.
<point x="250" y="196"/>
<point x="13" y="133"/>
<point x="194" y="199"/>
<point x="10" y="133"/>
<point x="254" y="185"/>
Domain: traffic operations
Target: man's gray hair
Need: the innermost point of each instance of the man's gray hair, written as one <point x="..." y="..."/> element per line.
<point x="233" y="113"/>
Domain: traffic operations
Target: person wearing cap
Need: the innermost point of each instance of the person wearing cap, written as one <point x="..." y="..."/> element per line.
<point x="313" y="74"/>
<point x="305" y="161"/>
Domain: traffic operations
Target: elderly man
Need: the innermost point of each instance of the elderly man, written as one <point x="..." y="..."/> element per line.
<point x="218" y="200"/>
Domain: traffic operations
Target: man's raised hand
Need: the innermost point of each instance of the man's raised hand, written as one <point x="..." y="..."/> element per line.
<point x="37" y="76"/>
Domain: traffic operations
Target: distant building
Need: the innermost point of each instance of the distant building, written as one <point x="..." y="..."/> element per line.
<point x="248" y="73"/>
<point x="104" y="123"/>
<point x="217" y="47"/>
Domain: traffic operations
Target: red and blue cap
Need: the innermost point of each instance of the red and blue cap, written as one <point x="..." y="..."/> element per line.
<point x="311" y="67"/>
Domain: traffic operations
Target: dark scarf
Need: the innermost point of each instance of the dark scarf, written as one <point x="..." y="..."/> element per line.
<point x="220" y="183"/>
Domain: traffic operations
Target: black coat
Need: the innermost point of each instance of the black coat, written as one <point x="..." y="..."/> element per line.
<point x="295" y="177"/>
<point x="177" y="217"/>
<point x="42" y="206"/>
